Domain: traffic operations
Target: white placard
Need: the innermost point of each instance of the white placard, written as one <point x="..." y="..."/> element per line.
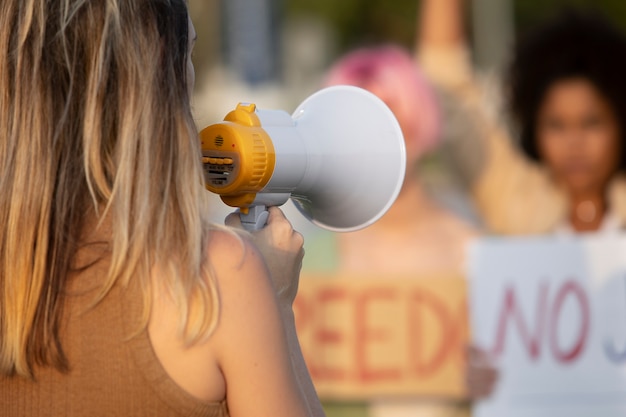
<point x="552" y="312"/>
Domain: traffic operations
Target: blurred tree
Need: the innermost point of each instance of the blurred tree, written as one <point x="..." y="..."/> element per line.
<point x="531" y="12"/>
<point x="359" y="22"/>
<point x="362" y="22"/>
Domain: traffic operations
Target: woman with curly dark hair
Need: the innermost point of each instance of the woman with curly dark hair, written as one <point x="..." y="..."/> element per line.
<point x="565" y="88"/>
<point x="571" y="108"/>
<point x="566" y="91"/>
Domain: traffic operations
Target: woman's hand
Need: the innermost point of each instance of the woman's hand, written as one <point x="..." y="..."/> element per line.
<point x="282" y="249"/>
<point x="480" y="374"/>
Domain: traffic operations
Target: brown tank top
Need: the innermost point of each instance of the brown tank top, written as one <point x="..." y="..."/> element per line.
<point x="113" y="369"/>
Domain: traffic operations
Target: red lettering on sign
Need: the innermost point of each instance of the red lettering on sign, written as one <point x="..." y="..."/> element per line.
<point x="421" y="301"/>
<point x="345" y="329"/>
<point x="574" y="289"/>
<point x="511" y="311"/>
<point x="546" y="325"/>
<point x="328" y="336"/>
<point x="366" y="334"/>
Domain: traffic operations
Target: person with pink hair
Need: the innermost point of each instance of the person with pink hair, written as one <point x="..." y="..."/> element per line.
<point x="422" y="236"/>
<point x="416" y="236"/>
<point x="390" y="73"/>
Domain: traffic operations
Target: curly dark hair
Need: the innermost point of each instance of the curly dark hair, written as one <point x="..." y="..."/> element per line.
<point x="573" y="44"/>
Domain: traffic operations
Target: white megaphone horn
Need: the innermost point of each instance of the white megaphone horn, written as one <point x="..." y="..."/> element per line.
<point x="340" y="157"/>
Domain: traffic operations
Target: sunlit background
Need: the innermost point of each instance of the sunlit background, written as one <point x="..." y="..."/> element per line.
<point x="275" y="52"/>
<point x="278" y="50"/>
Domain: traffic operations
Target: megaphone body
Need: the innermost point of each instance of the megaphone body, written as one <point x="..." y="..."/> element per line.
<point x="340" y="157"/>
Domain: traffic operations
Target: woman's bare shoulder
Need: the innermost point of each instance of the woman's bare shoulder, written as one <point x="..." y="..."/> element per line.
<point x="244" y="290"/>
<point x="233" y="256"/>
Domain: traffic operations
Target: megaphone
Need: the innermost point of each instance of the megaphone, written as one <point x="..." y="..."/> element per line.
<point x="340" y="158"/>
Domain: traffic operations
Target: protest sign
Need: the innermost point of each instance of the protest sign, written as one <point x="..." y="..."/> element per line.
<point x="366" y="337"/>
<point x="552" y="312"/>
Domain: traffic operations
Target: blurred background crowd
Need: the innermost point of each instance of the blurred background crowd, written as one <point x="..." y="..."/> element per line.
<point x="277" y="52"/>
<point x="512" y="112"/>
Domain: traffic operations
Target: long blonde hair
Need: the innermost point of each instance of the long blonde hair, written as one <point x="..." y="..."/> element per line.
<point x="95" y="114"/>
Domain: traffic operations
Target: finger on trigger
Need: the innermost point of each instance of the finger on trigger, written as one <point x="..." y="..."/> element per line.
<point x="274" y="212"/>
<point x="233" y="220"/>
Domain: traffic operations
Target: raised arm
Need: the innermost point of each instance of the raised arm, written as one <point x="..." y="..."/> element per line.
<point x="512" y="194"/>
<point x="441" y="24"/>
<point x="441" y="46"/>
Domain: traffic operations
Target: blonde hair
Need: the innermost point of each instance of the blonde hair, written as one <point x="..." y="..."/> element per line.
<point x="94" y="114"/>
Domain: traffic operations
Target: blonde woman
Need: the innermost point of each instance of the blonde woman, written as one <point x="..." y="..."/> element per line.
<point x="117" y="297"/>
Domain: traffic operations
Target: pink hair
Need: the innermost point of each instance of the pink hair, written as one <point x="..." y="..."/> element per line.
<point x="392" y="70"/>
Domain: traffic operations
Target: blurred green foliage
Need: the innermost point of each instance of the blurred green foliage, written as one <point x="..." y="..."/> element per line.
<point x="360" y="22"/>
<point x="528" y="13"/>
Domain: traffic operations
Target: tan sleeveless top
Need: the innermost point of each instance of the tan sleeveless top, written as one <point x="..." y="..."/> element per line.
<point x="112" y="372"/>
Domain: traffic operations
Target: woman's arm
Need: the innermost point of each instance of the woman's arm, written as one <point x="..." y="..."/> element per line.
<point x="261" y="358"/>
<point x="441" y="24"/>
<point x="441" y="45"/>
<point x="253" y="357"/>
<point x="282" y="249"/>
<point x="512" y="194"/>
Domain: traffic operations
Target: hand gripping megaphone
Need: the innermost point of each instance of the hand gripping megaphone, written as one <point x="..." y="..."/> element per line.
<point x="340" y="157"/>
